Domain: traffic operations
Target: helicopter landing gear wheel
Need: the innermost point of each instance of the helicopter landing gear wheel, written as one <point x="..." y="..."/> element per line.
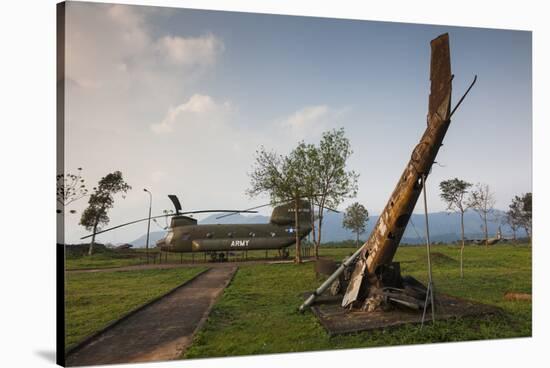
<point x="221" y="257"/>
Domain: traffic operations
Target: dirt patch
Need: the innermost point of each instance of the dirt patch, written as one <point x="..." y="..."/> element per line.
<point x="512" y="296"/>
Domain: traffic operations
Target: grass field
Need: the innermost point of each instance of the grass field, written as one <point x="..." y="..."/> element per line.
<point x="95" y="299"/>
<point x="101" y="260"/>
<point x="113" y="259"/>
<point x="258" y="311"/>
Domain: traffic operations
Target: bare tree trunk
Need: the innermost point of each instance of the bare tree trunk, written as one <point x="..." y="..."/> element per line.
<point x="91" y="247"/>
<point x="462" y="247"/>
<point x="486" y="230"/>
<point x="528" y="234"/>
<point x="320" y="226"/>
<point x="298" y="257"/>
<point x="514" y="238"/>
<point x="357" y="240"/>
<point x="312" y="212"/>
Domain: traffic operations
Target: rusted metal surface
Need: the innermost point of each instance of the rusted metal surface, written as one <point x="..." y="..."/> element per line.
<point x="382" y="244"/>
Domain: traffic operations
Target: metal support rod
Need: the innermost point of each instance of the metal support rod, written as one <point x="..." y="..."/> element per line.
<point x="325" y="285"/>
<point x="430" y="280"/>
<point x="428" y="292"/>
<point x="148" y="224"/>
<point x="463" y="96"/>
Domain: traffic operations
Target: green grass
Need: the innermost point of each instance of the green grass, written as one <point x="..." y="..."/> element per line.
<point x="258" y="311"/>
<point x="102" y="260"/>
<point x="113" y="259"/>
<point x="93" y="300"/>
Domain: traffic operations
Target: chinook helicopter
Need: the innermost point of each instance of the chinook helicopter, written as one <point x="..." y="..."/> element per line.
<point x="185" y="235"/>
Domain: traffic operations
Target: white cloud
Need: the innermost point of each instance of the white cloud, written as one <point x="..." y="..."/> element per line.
<point x="198" y="109"/>
<point x="306" y="117"/>
<point x="190" y="51"/>
<point x="114" y="46"/>
<point x="309" y="122"/>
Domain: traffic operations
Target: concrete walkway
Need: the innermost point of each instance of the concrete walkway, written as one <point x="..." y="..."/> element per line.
<point x="160" y="331"/>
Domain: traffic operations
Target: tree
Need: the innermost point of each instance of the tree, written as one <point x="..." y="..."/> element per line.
<point x="355" y="219"/>
<point x="521" y="211"/>
<point x="283" y="178"/>
<point x="70" y="188"/>
<point x="453" y="192"/>
<point x="527" y="218"/>
<point x="101" y="200"/>
<point x="308" y="154"/>
<point x="332" y="183"/>
<point x="511" y="219"/>
<point x="482" y="200"/>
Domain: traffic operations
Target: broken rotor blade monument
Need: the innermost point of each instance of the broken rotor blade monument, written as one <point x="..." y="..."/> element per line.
<point x="382" y="244"/>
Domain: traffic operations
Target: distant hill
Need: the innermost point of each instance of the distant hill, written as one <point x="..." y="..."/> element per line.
<point x="444" y="227"/>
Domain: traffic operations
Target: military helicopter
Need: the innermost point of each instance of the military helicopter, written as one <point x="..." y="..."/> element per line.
<point x="186" y="236"/>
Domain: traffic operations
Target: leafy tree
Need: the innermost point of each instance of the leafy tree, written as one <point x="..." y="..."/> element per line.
<point x="453" y="192"/>
<point x="355" y="219"/>
<point x="482" y="200"/>
<point x="331" y="181"/>
<point x="520" y="212"/>
<point x="101" y="200"/>
<point x="282" y="177"/>
<point x="70" y="188"/>
<point x="527" y="222"/>
<point x="308" y="155"/>
<point x="512" y="220"/>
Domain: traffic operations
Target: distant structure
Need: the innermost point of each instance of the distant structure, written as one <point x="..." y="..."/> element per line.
<point x="124" y="246"/>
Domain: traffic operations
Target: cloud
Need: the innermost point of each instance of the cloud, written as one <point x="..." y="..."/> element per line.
<point x="190" y="51"/>
<point x="115" y="46"/>
<point x="306" y="116"/>
<point x="309" y="122"/>
<point x="198" y="109"/>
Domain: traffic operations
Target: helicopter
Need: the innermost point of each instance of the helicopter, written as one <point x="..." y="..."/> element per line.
<point x="185" y="235"/>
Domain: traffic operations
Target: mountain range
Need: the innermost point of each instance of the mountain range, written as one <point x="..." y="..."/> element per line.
<point x="444" y="227"/>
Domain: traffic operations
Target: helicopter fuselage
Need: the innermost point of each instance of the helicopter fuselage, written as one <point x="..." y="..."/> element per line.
<point x="227" y="237"/>
<point x="185" y="235"/>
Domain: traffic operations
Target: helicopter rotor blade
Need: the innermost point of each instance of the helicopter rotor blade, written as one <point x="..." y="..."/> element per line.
<point x="165" y="215"/>
<point x="248" y="209"/>
<point x="272" y="204"/>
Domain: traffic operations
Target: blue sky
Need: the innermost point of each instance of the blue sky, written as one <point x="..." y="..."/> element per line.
<point x="179" y="100"/>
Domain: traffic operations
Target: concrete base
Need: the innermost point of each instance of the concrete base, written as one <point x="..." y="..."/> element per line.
<point x="337" y="320"/>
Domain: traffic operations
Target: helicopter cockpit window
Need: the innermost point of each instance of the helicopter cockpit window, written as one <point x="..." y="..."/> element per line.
<point x="185" y="236"/>
<point x="209" y="235"/>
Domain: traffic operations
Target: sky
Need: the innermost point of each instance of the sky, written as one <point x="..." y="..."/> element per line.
<point x="179" y="101"/>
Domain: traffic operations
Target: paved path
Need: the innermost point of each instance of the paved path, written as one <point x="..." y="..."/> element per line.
<point x="160" y="331"/>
